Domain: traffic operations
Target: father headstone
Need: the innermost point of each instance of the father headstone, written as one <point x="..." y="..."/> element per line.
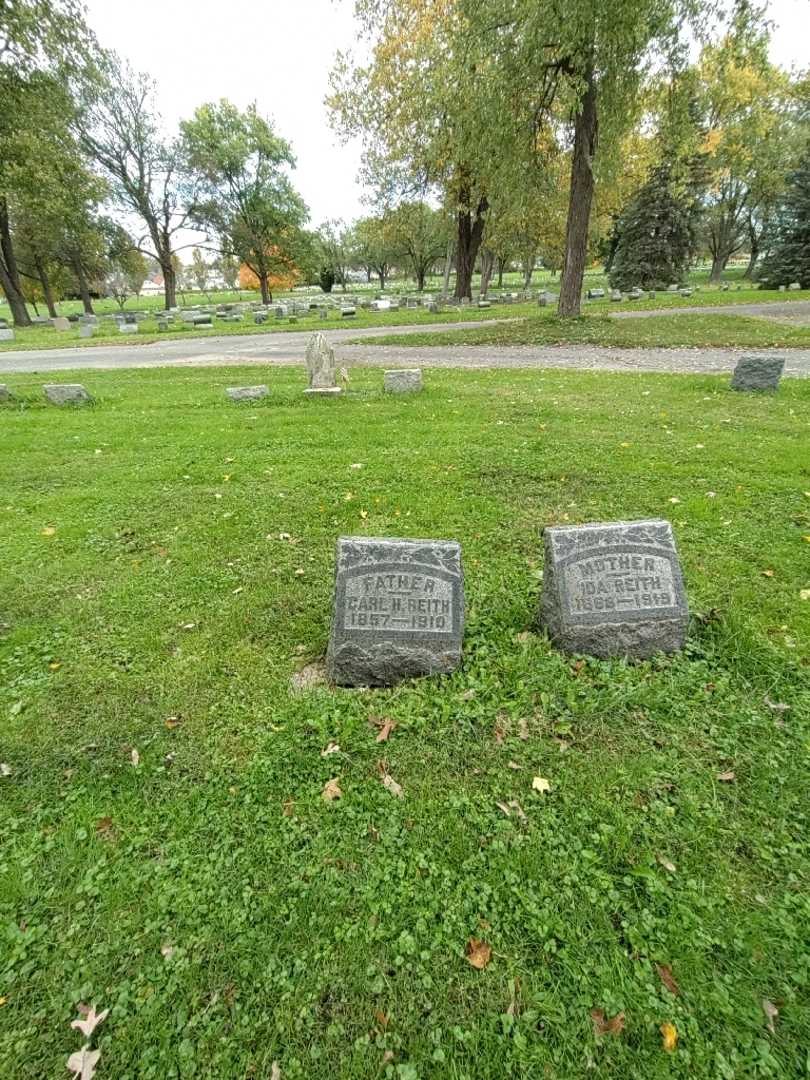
<point x="66" y="393"/>
<point x="321" y="366"/>
<point x="614" y="589"/>
<point x="758" y="373"/>
<point x="246" y="393"/>
<point x="405" y="381"/>
<point x="399" y="610"/>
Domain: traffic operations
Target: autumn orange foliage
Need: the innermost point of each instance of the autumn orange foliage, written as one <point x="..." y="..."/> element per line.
<point x="280" y="282"/>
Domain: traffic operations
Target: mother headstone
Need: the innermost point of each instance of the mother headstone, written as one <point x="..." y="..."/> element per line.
<point x="399" y="610"/>
<point x="614" y="589"/>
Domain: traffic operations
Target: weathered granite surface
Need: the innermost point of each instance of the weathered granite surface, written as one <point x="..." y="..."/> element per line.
<point x="758" y="373"/>
<point x="66" y="393"/>
<point x="399" y="610"/>
<point x="247" y="393"/>
<point x="5" y="394"/>
<point x="403" y="381"/>
<point x="614" y="589"/>
<point x="321" y="365"/>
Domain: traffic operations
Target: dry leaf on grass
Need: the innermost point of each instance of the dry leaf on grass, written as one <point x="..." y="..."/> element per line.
<point x="539" y="783"/>
<point x="776" y="706"/>
<point x="331" y="748"/>
<point x="135" y="757"/>
<point x="5" y="770"/>
<point x="331" y="791"/>
<point x="669" y="1036"/>
<point x="667" y="864"/>
<point x="391" y="785"/>
<point x="288" y="809"/>
<point x="275" y="1071"/>
<point x="504" y="809"/>
<point x="667" y="978"/>
<point x="479" y="953"/>
<point x="381" y="1018"/>
<point x="726" y="777"/>
<point x="603" y="1026"/>
<point x="386" y="726"/>
<point x="83" y="1063"/>
<point x="91" y="1020"/>
<point x="771" y="1013"/>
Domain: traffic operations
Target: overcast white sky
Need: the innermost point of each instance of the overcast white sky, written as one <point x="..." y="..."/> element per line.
<point x="279" y="53"/>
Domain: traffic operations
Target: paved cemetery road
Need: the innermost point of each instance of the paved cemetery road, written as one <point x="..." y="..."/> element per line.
<point x="286" y="348"/>
<point x="792" y="311"/>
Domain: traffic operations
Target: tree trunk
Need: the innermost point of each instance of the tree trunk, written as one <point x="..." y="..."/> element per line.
<point x="265" y="289"/>
<point x="501" y="268"/>
<point x="381" y="276"/>
<point x="448" y="266"/>
<point x="420" y="278"/>
<point x="528" y="269"/>
<point x="9" y="275"/>
<point x="84" y="291"/>
<point x="487" y="266"/>
<point x="719" y="261"/>
<point x="169" y="282"/>
<point x="753" y="258"/>
<point x="580" y="200"/>
<point x="469" y="240"/>
<point x="47" y="291"/>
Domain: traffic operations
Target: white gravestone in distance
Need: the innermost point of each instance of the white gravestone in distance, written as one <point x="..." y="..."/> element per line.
<point x="614" y="589"/>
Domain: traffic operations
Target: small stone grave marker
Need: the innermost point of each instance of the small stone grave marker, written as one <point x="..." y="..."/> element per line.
<point x="66" y="393"/>
<point x="614" y="589"/>
<point x="5" y="394"/>
<point x="246" y="393"/>
<point x="86" y="330"/>
<point x="321" y="365"/>
<point x="399" y="610"/>
<point x="61" y="323"/>
<point x="404" y="381"/>
<point x="348" y="311"/>
<point x="758" y="373"/>
<point x="6" y="334"/>
<point x="128" y="328"/>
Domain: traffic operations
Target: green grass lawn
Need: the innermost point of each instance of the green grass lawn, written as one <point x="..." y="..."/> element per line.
<point x="165" y="851"/>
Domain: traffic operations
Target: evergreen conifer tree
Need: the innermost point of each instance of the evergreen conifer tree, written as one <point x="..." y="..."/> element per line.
<point x="789" y="258"/>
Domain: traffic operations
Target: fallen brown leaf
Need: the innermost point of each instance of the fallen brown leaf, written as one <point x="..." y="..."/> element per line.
<point x="776" y="706"/>
<point x="275" y="1071"/>
<point x="771" y="1013"/>
<point x="83" y="1063"/>
<point x="726" y="777"/>
<point x="105" y="828"/>
<point x="602" y="1026"/>
<point x="667" y="864"/>
<point x="381" y="1018"/>
<point x="479" y="953"/>
<point x="331" y="791"/>
<point x="387" y="727"/>
<point x="331" y="748"/>
<point x="515" y="805"/>
<point x="504" y="809"/>
<point x="90" y="1022"/>
<point x="391" y="785"/>
<point x="288" y="808"/>
<point x="667" y="978"/>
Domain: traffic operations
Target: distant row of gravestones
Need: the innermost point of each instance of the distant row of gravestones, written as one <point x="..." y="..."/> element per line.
<point x="750" y="373"/>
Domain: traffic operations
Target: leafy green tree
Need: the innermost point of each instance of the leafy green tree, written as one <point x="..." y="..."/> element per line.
<point x="120" y="132"/>
<point x="335" y="243"/>
<point x="418" y="234"/>
<point x="44" y="46"/>
<point x="789" y="258"/>
<point x="228" y="268"/>
<point x="247" y="197"/>
<point x="373" y="246"/>
<point x="198" y="271"/>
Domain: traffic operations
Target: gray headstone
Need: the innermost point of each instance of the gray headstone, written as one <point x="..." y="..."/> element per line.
<point x="399" y="610"/>
<point x="6" y="334"/>
<point x="128" y="328"/>
<point x="66" y="393"/>
<point x="794" y="286"/>
<point x="596" y="294"/>
<point x="259" y="317"/>
<point x="246" y="393"/>
<point x="163" y="325"/>
<point x="484" y="304"/>
<point x="5" y="394"/>
<point x="758" y="373"/>
<point x="321" y="366"/>
<point x="404" y="381"/>
<point x="673" y="288"/>
<point x="86" y="330"/>
<point x="783" y="288"/>
<point x="61" y="323"/>
<point x="348" y="311"/>
<point x="616" y="296"/>
<point x="323" y="313"/>
<point x="202" y="320"/>
<point x="614" y="589"/>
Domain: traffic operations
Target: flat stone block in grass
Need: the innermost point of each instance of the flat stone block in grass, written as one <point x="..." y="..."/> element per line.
<point x="246" y="393"/>
<point x="758" y="373"/>
<point x="399" y="610"/>
<point x="6" y="333"/>
<point x="614" y="589"/>
<point x="66" y="393"/>
<point x="5" y="394"/>
<point x="405" y="381"/>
